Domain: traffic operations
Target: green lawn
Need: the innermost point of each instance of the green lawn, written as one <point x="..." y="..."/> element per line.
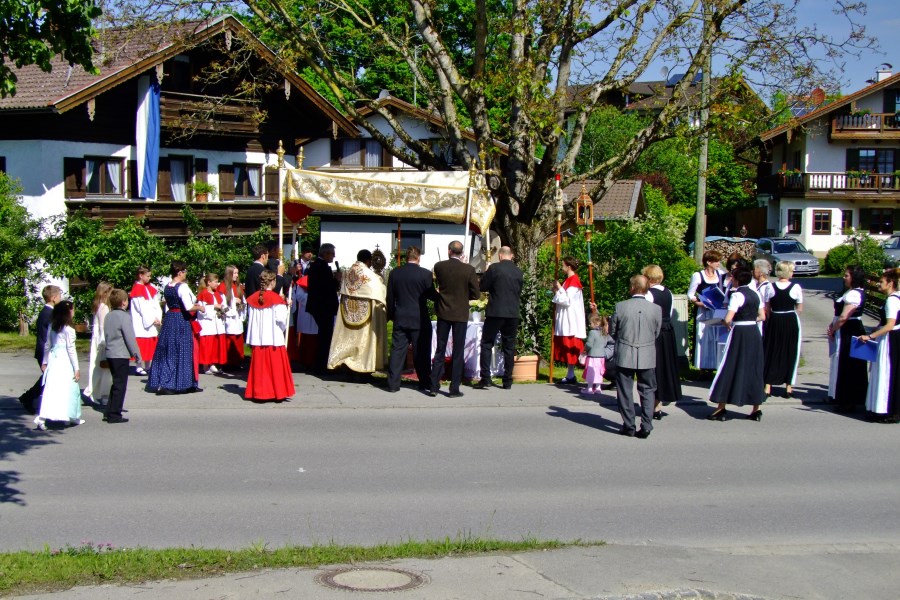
<point x="13" y="342"/>
<point x="93" y="564"/>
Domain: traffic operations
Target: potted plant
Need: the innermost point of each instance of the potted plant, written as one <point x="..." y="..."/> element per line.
<point x="203" y="191"/>
<point x="853" y="179"/>
<point x="476" y="308"/>
<point x="528" y="339"/>
<point x="897" y="180"/>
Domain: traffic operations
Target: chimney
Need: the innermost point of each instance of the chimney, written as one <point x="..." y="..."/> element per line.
<point x="883" y="72"/>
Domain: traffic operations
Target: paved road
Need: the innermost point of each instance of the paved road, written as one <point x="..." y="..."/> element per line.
<point x="352" y="464"/>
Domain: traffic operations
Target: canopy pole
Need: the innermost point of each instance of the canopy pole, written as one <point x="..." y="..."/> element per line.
<point x="467" y="235"/>
<point x="281" y="180"/>
<point x="397" y="260"/>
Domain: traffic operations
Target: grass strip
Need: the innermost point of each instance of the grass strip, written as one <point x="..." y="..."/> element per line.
<point x="12" y="342"/>
<point x="94" y="564"/>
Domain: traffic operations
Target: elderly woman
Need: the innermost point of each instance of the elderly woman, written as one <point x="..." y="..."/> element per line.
<point x="570" y="329"/>
<point x="668" y="381"/>
<point x="781" y="341"/>
<point x="849" y="376"/>
<point x="881" y="401"/>
<point x="706" y="338"/>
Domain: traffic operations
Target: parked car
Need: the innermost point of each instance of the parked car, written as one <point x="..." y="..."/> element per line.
<point x="892" y="250"/>
<point x="774" y="249"/>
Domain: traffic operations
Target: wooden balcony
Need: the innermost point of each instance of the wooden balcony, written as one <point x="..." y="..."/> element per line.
<point x="209" y="114"/>
<point x="862" y="127"/>
<point x="166" y="219"/>
<point x="849" y="185"/>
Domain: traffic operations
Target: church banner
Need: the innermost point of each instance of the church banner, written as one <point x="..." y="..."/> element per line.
<point x="410" y="194"/>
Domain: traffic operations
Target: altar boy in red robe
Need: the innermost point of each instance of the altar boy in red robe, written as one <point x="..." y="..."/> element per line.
<point x="146" y="317"/>
<point x="270" y="375"/>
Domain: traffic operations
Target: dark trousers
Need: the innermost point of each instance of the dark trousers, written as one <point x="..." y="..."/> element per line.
<point x="118" y="368"/>
<point x="646" y="385"/>
<point x="507" y="328"/>
<point x="420" y="338"/>
<point x="31" y="399"/>
<point x="456" y="361"/>
<point x="325" y="323"/>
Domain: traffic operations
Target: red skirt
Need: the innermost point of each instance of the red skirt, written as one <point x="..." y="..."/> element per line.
<point x="567" y="348"/>
<point x="147" y="346"/>
<point x="234" y="349"/>
<point x="211" y="349"/>
<point x="270" y="375"/>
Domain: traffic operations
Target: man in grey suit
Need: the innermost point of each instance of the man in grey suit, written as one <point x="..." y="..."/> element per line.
<point x="634" y="326"/>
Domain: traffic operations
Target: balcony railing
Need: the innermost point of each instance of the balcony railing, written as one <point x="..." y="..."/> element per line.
<point x="869" y="125"/>
<point x="850" y="182"/>
<point x="209" y="114"/>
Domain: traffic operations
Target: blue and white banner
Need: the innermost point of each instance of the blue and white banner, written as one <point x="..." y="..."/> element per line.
<point x="147" y="136"/>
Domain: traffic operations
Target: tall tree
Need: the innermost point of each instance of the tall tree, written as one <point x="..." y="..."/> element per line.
<point x="505" y="68"/>
<point x="34" y="31"/>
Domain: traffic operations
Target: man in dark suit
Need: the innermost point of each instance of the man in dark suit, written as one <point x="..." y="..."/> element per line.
<point x="457" y="284"/>
<point x="503" y="281"/>
<point x="31" y="400"/>
<point x="323" y="287"/>
<point x="409" y="289"/>
<point x="260" y="258"/>
<point x="635" y="326"/>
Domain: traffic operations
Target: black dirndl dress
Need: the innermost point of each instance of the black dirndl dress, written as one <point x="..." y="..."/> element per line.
<point x="781" y="339"/>
<point x="739" y="380"/>
<point x="172" y="369"/>
<point x="849" y="377"/>
<point x="668" y="380"/>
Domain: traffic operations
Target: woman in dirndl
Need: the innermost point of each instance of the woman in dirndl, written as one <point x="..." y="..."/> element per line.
<point x="668" y="379"/>
<point x="848" y="380"/>
<point x="569" y="329"/>
<point x="884" y="376"/>
<point x="706" y="336"/>
<point x="781" y="339"/>
<point x="174" y="367"/>
<point x="739" y="380"/>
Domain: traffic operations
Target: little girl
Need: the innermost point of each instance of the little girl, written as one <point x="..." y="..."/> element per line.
<point x="146" y="317"/>
<point x="211" y="343"/>
<point x="270" y="375"/>
<point x="599" y="348"/>
<point x="99" y="378"/>
<point x="61" y="400"/>
<point x="234" y="317"/>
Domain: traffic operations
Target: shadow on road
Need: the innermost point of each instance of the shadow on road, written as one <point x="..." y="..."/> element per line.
<point x="17" y="436"/>
<point x="587" y="419"/>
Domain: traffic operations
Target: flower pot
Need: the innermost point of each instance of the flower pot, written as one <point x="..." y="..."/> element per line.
<point x="525" y="368"/>
<point x="201" y="197"/>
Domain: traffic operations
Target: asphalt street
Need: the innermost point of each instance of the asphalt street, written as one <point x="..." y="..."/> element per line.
<point x="350" y="463"/>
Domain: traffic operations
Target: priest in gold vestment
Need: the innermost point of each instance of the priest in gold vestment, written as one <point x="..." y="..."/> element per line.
<point x="360" y="330"/>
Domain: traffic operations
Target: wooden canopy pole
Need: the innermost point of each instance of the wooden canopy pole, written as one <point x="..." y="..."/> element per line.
<point x="584" y="215"/>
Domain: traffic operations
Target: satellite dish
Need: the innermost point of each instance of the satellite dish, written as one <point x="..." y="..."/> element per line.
<point x="817" y="96"/>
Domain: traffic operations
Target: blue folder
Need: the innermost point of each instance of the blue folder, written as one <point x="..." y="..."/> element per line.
<point x="863" y="350"/>
<point x="712" y="297"/>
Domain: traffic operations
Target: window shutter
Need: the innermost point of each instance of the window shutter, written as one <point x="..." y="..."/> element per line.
<point x="853" y="159"/>
<point x="73" y="170"/>
<point x="133" y="190"/>
<point x="865" y="219"/>
<point x="164" y="180"/>
<point x="336" y="146"/>
<point x="270" y="185"/>
<point x="890" y="101"/>
<point x="201" y="170"/>
<point x="3" y="164"/>
<point x="226" y="182"/>
<point x="386" y="158"/>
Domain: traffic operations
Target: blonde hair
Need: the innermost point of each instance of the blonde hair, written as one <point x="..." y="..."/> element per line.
<point x="653" y="273"/>
<point x="101" y="296"/>
<point x="206" y="279"/>
<point x="265" y="279"/>
<point x="230" y="284"/>
<point x="598" y="321"/>
<point x="784" y="269"/>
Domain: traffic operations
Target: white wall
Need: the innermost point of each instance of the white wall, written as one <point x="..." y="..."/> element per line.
<point x="349" y="237"/>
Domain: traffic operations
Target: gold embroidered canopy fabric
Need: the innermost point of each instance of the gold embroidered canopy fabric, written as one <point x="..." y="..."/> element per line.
<point x="417" y="194"/>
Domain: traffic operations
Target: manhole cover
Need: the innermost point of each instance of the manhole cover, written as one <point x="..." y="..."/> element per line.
<point x="371" y="579"/>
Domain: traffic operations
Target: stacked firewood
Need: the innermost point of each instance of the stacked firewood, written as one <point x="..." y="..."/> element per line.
<point x="726" y="248"/>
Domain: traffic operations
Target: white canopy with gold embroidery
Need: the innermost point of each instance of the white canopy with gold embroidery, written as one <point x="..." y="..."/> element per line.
<point x="411" y="194"/>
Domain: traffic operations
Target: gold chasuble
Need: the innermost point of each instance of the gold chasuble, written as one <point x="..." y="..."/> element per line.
<point x="360" y="330"/>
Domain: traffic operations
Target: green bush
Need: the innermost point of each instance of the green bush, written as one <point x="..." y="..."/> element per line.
<point x="857" y="249"/>
<point x="20" y="253"/>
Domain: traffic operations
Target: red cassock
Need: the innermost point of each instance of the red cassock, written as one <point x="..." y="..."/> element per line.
<point x="211" y="341"/>
<point x="234" y="328"/>
<point x="143" y="299"/>
<point x="270" y="376"/>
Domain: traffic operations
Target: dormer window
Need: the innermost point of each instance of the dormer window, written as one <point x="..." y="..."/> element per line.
<point x="178" y="74"/>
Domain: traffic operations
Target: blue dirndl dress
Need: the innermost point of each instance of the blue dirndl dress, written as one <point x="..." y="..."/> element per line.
<point x="173" y="363"/>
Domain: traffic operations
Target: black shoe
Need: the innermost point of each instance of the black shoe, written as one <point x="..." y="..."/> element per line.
<point x="483" y="384"/>
<point x="455" y="395"/>
<point x="165" y="392"/>
<point x="716" y="415"/>
<point x="756" y="415"/>
<point x="643" y="434"/>
<point x="658" y="415"/>
<point x="194" y="390"/>
<point x="568" y="381"/>
<point x="507" y="386"/>
<point x="430" y="393"/>
<point x="626" y="432"/>
<point x="116" y="420"/>
<point x="392" y="390"/>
